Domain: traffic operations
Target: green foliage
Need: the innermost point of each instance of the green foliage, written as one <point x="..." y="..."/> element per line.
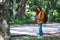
<point x="18" y="20"/>
<point x="11" y="6"/>
<point x="31" y="6"/>
<point x="56" y="16"/>
<point x="35" y="38"/>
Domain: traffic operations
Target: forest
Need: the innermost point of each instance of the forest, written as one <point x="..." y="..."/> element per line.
<point x="21" y="11"/>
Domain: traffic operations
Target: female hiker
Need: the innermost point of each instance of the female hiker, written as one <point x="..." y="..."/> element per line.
<point x="40" y="15"/>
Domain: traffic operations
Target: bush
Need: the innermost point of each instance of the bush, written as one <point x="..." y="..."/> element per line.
<point x="17" y="20"/>
<point x="56" y="18"/>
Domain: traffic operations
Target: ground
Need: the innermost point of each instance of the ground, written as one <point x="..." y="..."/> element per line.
<point x="32" y="29"/>
<point x="35" y="38"/>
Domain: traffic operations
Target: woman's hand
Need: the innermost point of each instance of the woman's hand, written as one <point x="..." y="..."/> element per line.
<point x="34" y="17"/>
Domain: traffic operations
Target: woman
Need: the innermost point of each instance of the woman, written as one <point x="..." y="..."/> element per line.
<point x="40" y="19"/>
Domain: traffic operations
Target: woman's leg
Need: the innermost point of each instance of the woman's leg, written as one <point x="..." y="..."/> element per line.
<point x="40" y="29"/>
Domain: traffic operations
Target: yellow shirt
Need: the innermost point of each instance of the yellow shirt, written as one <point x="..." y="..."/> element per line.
<point x="40" y="16"/>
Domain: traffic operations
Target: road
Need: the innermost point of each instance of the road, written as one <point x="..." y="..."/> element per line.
<point x="32" y="29"/>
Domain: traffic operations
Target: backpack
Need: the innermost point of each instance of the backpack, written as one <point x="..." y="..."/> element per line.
<point x="45" y="18"/>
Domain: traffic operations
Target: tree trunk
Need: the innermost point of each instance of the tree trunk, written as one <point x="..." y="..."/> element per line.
<point x="1" y="26"/>
<point x="4" y="22"/>
<point x="14" y="8"/>
<point x="51" y="15"/>
<point x="21" y="9"/>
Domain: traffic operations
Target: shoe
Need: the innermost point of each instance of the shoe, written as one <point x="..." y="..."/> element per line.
<point x="40" y="37"/>
<point x="26" y="37"/>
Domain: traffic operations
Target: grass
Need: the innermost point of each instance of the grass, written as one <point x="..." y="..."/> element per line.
<point x="35" y="38"/>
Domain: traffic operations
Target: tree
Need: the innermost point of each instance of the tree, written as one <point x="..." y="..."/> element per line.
<point x="4" y="21"/>
<point x="14" y="8"/>
<point x="52" y="5"/>
<point x="21" y="9"/>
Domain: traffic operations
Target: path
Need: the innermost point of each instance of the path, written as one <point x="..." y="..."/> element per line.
<point x="32" y="29"/>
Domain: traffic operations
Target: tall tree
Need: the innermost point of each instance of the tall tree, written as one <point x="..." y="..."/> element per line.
<point x="52" y="4"/>
<point x="21" y="9"/>
<point x="50" y="7"/>
<point x="14" y="8"/>
<point x="4" y="21"/>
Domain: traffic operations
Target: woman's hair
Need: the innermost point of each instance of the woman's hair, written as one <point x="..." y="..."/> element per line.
<point x="37" y="10"/>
